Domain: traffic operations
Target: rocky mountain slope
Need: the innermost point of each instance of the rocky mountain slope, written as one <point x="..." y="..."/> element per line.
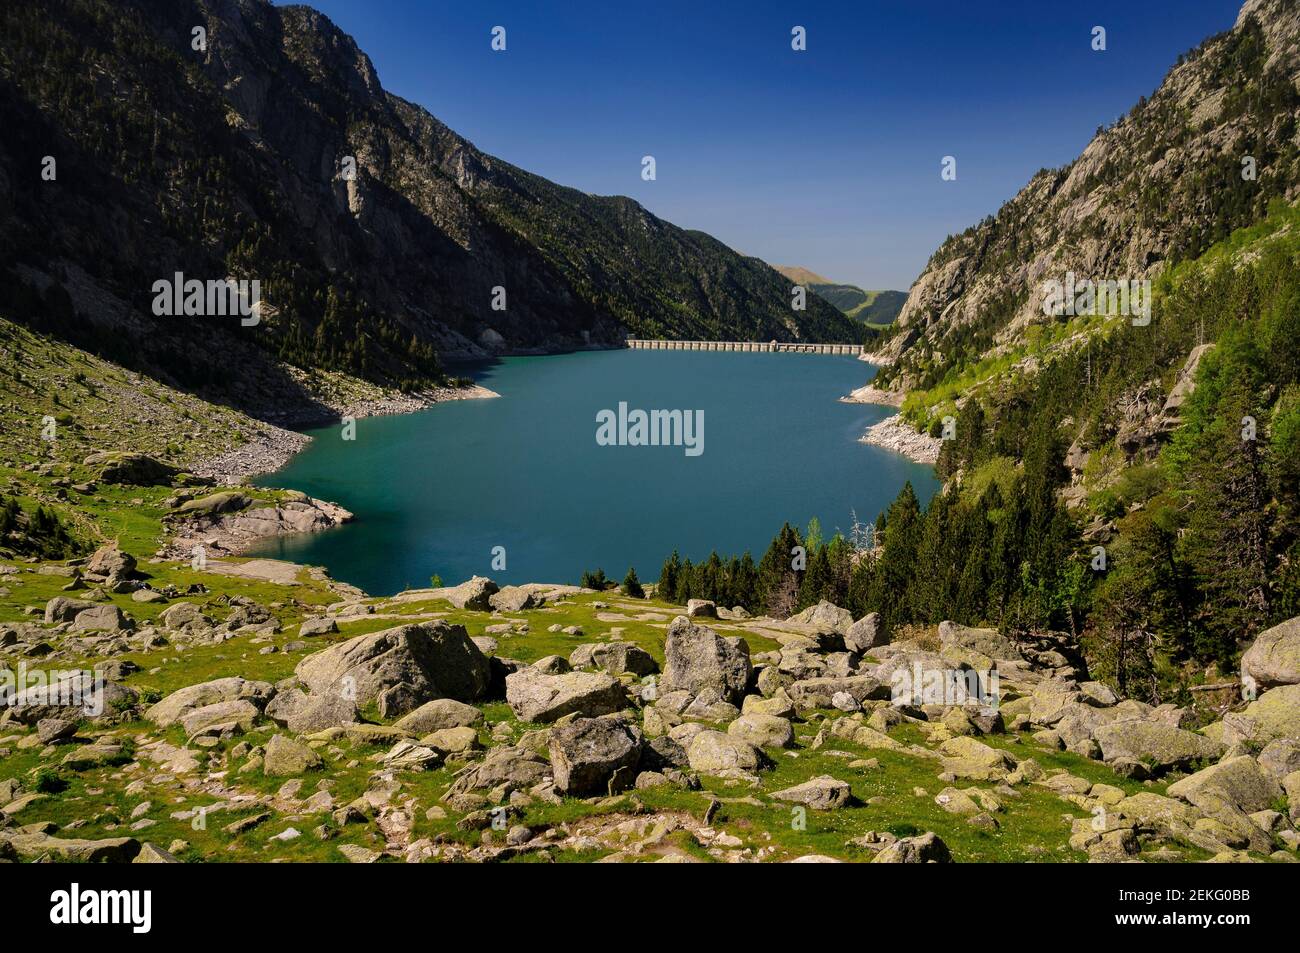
<point x="1203" y="156"/>
<point x="233" y="160"/>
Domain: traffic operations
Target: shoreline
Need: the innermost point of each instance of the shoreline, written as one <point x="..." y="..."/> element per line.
<point x="275" y="445"/>
<point x="896" y="434"/>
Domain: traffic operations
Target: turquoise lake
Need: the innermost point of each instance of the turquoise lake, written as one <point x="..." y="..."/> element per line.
<point x="436" y="491"/>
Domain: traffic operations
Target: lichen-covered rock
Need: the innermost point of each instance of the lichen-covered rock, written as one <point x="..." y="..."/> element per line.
<point x="825" y="616"/>
<point x="1158" y="745"/>
<point x="696" y="658"/>
<point x="538" y="697"/>
<point x="287" y="757"/>
<point x="181" y="702"/>
<point x="591" y="756"/>
<point x="822" y="793"/>
<point x="1274" y="657"/>
<point x="435" y="659"/>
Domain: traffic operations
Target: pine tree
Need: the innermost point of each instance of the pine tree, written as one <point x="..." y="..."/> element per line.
<point x="632" y="585"/>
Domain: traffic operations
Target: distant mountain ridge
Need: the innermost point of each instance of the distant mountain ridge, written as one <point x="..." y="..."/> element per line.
<point x="231" y="161"/>
<point x="877" y="308"/>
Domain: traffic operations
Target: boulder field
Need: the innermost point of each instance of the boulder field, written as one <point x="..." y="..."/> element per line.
<point x="451" y="724"/>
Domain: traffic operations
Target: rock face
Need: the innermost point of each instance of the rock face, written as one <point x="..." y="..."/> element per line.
<point x="974" y="277"/>
<point x="696" y="658"/>
<point x="1274" y="658"/>
<point x="538" y="697"/>
<point x="434" y="659"/>
<point x="592" y="756"/>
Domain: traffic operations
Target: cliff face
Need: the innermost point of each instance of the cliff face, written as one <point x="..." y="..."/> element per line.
<point x="231" y="160"/>
<point x="1163" y="183"/>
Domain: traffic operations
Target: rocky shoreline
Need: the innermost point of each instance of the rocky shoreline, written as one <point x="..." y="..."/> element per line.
<point x="274" y="446"/>
<point x="894" y="433"/>
<point x="870" y="394"/>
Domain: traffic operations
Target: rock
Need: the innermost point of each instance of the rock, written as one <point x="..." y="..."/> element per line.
<point x="1280" y="757"/>
<point x="109" y="850"/>
<point x="712" y="752"/>
<point x="1051" y="700"/>
<point x="1275" y="714"/>
<point x="101" y="618"/>
<point x="967" y="758"/>
<point x="238" y="711"/>
<point x="701" y="609"/>
<point x="515" y="599"/>
<point x="474" y="594"/>
<point x="214" y="504"/>
<point x="537" y="697"/>
<point x="181" y="702"/>
<point x="285" y="757"/>
<point x="588" y="755"/>
<point x="62" y="609"/>
<point x="825" y="616"/>
<point x="1239" y="781"/>
<point x="820" y="692"/>
<point x="435" y="659"/>
<point x="822" y="793"/>
<point x="1274" y="657"/>
<point x="50" y="730"/>
<point x="764" y="731"/>
<point x="439" y="714"/>
<point x="696" y="658"/>
<point x="1157" y="745"/>
<point x="452" y="740"/>
<point x="320" y="712"/>
<point x="409" y="756"/>
<point x="134" y="469"/>
<point x="513" y="768"/>
<point x="185" y="615"/>
<point x="1095" y="693"/>
<point x="867" y="633"/>
<point x="926" y="848"/>
<point x="988" y="642"/>
<point x="153" y="854"/>
<point x="356" y="854"/>
<point x="108" y="560"/>
<point x="317" y="625"/>
<point x="616" y="658"/>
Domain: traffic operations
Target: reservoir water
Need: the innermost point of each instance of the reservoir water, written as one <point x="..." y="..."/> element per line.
<point x="436" y="492"/>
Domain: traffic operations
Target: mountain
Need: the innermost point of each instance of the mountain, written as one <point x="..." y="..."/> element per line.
<point x="1131" y="478"/>
<point x="876" y="308"/>
<point x="1161" y="185"/>
<point x="232" y="160"/>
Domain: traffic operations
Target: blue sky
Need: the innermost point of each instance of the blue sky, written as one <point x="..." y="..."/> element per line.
<point x="828" y="158"/>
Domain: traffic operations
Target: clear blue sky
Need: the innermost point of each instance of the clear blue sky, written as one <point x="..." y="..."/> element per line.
<point x="827" y="158"/>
